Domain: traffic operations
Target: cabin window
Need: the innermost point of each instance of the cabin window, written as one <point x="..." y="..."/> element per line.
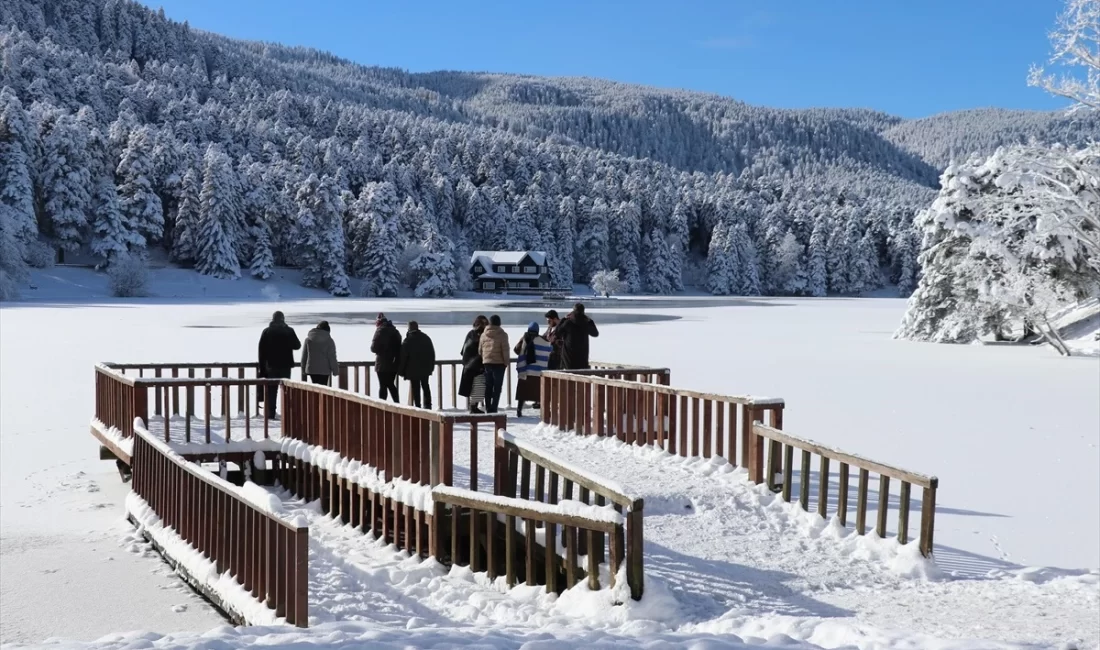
<point x="515" y="269"/>
<point x="529" y="269"/>
<point x="542" y="269"/>
<point x="488" y="285"/>
<point x="478" y="268"/>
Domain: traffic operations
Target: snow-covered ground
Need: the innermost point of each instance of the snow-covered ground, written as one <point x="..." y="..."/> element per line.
<point x="1012" y="432"/>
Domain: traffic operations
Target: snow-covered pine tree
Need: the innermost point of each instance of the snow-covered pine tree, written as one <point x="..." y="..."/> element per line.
<point x="746" y="274"/>
<point x="521" y="233"/>
<point x="864" y="272"/>
<point x="263" y="262"/>
<point x="593" y="239"/>
<point x="377" y="259"/>
<point x="791" y="274"/>
<point x="186" y="231"/>
<point x="66" y="181"/>
<point x="816" y="267"/>
<point x="140" y="205"/>
<point x="16" y="188"/>
<point x="655" y="258"/>
<point x="625" y="236"/>
<point x="719" y="263"/>
<point x="840" y="255"/>
<point x="215" y="253"/>
<point x="434" y="267"/>
<point x="677" y="246"/>
<point x="561" y="260"/>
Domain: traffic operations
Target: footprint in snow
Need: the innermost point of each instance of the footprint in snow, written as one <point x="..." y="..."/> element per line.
<point x="179" y="609"/>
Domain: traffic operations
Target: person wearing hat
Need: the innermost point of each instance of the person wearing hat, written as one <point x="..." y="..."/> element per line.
<point x="532" y="357"/>
<point x="276" y="358"/>
<point x="417" y="364"/>
<point x="386" y="347"/>
<point x="573" y="332"/>
<point x="552" y="321"/>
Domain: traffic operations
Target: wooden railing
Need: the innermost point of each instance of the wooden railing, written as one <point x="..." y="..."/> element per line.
<point x="265" y="554"/>
<point x="533" y="475"/>
<point x="499" y="535"/>
<point x="173" y="391"/>
<point x="781" y="448"/>
<point x="399" y="441"/>
<point x="683" y="422"/>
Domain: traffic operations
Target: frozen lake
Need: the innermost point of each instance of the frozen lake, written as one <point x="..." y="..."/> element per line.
<point x="1012" y="433"/>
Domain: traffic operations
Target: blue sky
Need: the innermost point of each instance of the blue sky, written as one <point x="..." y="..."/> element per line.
<point x="907" y="57"/>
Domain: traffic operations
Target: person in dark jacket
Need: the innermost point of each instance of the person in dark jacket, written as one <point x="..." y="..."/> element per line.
<point x="417" y="363"/>
<point x="532" y="356"/>
<point x="573" y="333"/>
<point x="386" y="347"/>
<point x="552" y="321"/>
<point x="276" y="357"/>
<point x="472" y="383"/>
<point x="319" y="355"/>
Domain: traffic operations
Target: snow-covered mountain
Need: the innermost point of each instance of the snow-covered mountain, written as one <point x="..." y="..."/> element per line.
<point x="121" y="130"/>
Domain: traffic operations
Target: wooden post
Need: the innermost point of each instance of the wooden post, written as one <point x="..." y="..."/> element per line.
<point x="928" y="518"/>
<point x="635" y="576"/>
<point x="903" y="514"/>
<point x="883" y="504"/>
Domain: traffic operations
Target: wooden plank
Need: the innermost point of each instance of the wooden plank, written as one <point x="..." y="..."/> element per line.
<point x="490" y="545"/>
<point x="804" y="482"/>
<point x="552" y="562"/>
<point x="928" y="519"/>
<point x="510" y="550"/>
<point x="842" y="495"/>
<point x="707" y="428"/>
<point x="635" y="575"/>
<point x="883" y="504"/>
<point x="570" y="556"/>
<point x="788" y="471"/>
<point x="529" y="551"/>
<point x="823" y="488"/>
<point x="517" y="508"/>
<point x="861" y="502"/>
<point x="903" y="513"/>
<point x="475" y="518"/>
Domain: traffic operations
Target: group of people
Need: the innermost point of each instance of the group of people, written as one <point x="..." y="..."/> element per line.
<point x="486" y="354"/>
<point x="412" y="358"/>
<point x="563" y="346"/>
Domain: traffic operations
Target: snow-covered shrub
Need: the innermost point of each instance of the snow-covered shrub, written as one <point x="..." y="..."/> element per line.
<point x="607" y="283"/>
<point x="129" y="275"/>
<point x="40" y="255"/>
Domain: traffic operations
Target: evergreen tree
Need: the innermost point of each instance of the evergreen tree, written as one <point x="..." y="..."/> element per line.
<point x="791" y="276"/>
<point x="677" y="246"/>
<point x="66" y="181"/>
<point x="719" y="264"/>
<point x="263" y="262"/>
<point x="141" y="207"/>
<point x="320" y="210"/>
<point x="186" y="231"/>
<point x="742" y="250"/>
<point x="215" y="254"/>
<point x="656" y="258"/>
<point x="561" y="261"/>
<point x="625" y="237"/>
<point x="817" y="278"/>
<point x="434" y="267"/>
<point x="16" y="189"/>
<point x="593" y="241"/>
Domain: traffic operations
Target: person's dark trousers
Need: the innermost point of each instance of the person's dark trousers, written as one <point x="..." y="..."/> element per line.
<point x="324" y="380"/>
<point x="387" y="385"/>
<point x="494" y="382"/>
<point x="271" y="394"/>
<point x="418" y="385"/>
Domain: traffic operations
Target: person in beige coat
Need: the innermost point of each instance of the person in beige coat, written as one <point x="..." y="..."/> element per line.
<point x="494" y="358"/>
<point x="319" y="355"/>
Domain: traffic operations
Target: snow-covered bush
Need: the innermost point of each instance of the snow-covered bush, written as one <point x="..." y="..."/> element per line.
<point x="607" y="283"/>
<point x="129" y="276"/>
<point x="40" y="255"/>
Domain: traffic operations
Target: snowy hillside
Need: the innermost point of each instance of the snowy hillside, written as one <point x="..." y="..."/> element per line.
<point x="122" y="130"/>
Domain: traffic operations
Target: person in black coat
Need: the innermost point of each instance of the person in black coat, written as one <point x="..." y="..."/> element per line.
<point x="386" y="347"/>
<point x="572" y="334"/>
<point x="418" y="363"/>
<point x="472" y="370"/>
<point x="276" y="357"/>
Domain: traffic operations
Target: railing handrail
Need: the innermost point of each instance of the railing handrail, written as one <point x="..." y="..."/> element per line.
<point x="748" y="400"/>
<point x="883" y="469"/>
<point x="108" y="369"/>
<point x="393" y="407"/>
<point x="525" y="509"/>
<point x="208" y="477"/>
<point x="598" y="485"/>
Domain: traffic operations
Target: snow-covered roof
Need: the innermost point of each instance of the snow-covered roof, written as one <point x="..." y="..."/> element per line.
<point x="493" y="275"/>
<point x="507" y="257"/>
